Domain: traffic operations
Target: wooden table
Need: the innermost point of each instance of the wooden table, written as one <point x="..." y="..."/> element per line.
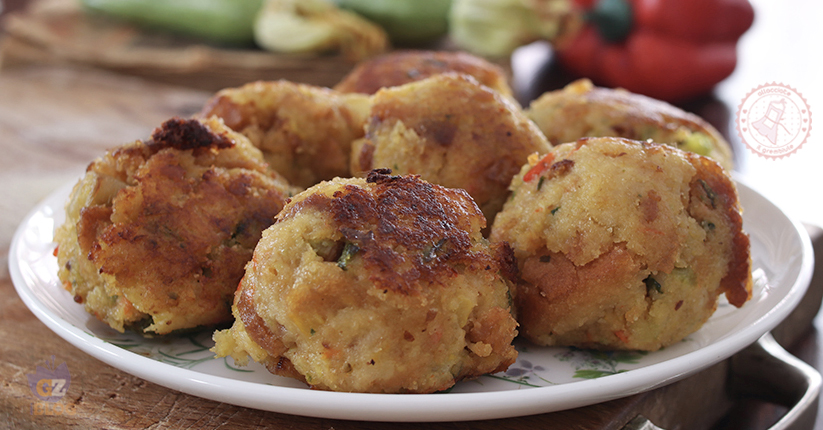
<point x="55" y="119"/>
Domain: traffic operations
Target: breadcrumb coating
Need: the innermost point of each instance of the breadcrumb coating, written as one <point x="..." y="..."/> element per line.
<point x="623" y="244"/>
<point x="157" y="233"/>
<point x="402" y="67"/>
<point x="305" y="132"/>
<point x="583" y="110"/>
<point x="452" y="131"/>
<point x="382" y="284"/>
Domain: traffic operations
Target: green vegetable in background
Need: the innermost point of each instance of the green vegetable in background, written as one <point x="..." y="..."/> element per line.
<point x="407" y="22"/>
<point x="295" y="26"/>
<point x="495" y="28"/>
<point x="317" y="26"/>
<point x="221" y="21"/>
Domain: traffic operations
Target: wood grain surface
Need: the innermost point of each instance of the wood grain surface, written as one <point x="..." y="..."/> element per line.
<point x="60" y="32"/>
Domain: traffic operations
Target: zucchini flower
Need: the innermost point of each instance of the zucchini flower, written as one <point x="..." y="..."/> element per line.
<point x="495" y="28"/>
<point x="296" y="26"/>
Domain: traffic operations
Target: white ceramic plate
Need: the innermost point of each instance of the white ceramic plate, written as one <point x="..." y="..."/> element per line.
<point x="542" y="380"/>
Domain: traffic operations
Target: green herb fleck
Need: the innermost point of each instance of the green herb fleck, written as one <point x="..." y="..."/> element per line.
<point x="431" y="253"/>
<point x="652" y="284"/>
<point x="540" y="182"/>
<point x="312" y="332"/>
<point x="555" y="210"/>
<point x="345" y="257"/>
<point x="710" y="194"/>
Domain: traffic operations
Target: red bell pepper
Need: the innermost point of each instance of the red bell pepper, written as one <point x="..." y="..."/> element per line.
<point x="541" y="166"/>
<point x="672" y="50"/>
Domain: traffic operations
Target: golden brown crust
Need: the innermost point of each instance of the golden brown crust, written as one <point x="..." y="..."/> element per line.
<point x="382" y="284"/>
<point x="403" y="67"/>
<point x="158" y="233"/>
<point x="184" y="134"/>
<point x="583" y="110"/>
<point x="507" y="260"/>
<point x="451" y="131"/>
<point x="623" y="244"/>
<point x="553" y="286"/>
<point x="256" y="328"/>
<point x="263" y="336"/>
<point x="402" y="213"/>
<point x="711" y="188"/>
<point x="305" y="132"/>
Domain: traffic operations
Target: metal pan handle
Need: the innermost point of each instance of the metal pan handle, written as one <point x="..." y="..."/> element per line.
<point x="765" y="371"/>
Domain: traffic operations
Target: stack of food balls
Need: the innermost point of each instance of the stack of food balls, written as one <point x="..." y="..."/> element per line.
<point x="395" y="237"/>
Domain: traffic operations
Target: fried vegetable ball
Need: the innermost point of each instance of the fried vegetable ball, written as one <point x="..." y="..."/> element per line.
<point x="583" y="110"/>
<point x="452" y="131"/>
<point x="623" y="244"/>
<point x="304" y="131"/>
<point x="382" y="285"/>
<point x="403" y="67"/>
<point x="157" y="233"/>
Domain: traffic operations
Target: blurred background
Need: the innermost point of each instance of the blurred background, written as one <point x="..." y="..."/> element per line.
<point x="779" y="47"/>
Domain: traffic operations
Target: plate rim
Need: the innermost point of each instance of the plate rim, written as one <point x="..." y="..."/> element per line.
<point x="438" y="407"/>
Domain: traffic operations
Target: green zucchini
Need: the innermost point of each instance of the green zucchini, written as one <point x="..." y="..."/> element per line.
<point x="229" y="22"/>
<point x="407" y="22"/>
